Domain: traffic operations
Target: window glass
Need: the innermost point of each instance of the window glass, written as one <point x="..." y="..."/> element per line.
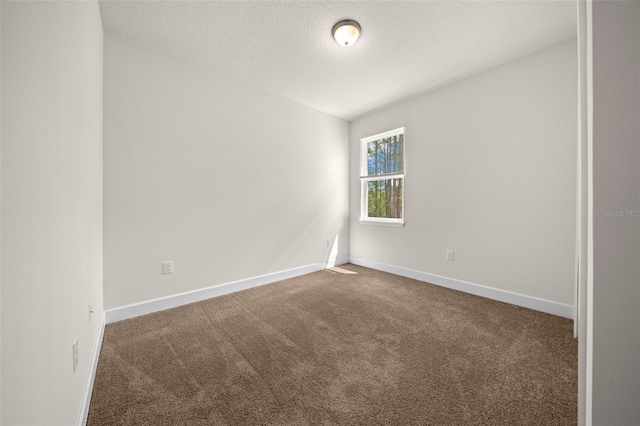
<point x="382" y="176"/>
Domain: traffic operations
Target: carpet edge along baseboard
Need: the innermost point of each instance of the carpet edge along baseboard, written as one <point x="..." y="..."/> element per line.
<point x="173" y="301"/>
<point x="180" y="299"/>
<point x="518" y="299"/>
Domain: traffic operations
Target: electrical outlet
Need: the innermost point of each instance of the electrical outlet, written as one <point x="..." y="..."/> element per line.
<point x="167" y="267"/>
<point x="449" y="254"/>
<point x="75" y="355"/>
<point x="90" y="312"/>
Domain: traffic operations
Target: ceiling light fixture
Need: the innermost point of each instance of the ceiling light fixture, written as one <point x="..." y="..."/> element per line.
<point x="346" y="32"/>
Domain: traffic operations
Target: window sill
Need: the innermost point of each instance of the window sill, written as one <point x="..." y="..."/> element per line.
<point x="381" y="223"/>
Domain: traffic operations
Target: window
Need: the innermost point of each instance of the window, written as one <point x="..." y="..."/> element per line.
<point x="382" y="177"/>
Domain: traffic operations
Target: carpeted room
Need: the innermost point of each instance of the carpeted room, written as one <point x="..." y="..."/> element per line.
<point x="352" y="346"/>
<point x="188" y="176"/>
<point x="499" y="215"/>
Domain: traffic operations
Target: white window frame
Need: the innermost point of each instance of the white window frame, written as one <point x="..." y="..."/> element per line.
<point x="365" y="179"/>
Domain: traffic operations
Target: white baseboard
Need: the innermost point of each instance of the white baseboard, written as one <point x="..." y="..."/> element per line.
<point x="173" y="301"/>
<point x="93" y="366"/>
<point x="535" y="303"/>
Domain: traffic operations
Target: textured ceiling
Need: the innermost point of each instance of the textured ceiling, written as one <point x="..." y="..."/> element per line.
<point x="286" y="46"/>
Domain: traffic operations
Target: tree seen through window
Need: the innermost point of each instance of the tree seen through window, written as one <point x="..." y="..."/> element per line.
<point x="383" y="184"/>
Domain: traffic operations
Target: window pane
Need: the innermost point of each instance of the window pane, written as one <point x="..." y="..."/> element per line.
<point x="385" y="198"/>
<point x="384" y="156"/>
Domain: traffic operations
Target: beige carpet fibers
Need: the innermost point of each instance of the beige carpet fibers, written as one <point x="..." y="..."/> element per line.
<point x="335" y="348"/>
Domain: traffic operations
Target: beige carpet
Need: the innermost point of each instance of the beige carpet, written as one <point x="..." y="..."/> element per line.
<point x="334" y="348"/>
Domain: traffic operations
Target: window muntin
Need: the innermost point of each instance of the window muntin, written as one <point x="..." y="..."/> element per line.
<point x="382" y="177"/>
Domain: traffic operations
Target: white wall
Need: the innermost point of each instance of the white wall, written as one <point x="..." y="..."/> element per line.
<point x="225" y="180"/>
<point x="616" y="187"/>
<point x="51" y="206"/>
<point x="490" y="173"/>
<point x="0" y="212"/>
<point x="582" y="228"/>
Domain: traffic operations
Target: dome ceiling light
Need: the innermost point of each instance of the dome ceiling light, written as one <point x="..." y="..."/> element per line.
<point x="346" y="32"/>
